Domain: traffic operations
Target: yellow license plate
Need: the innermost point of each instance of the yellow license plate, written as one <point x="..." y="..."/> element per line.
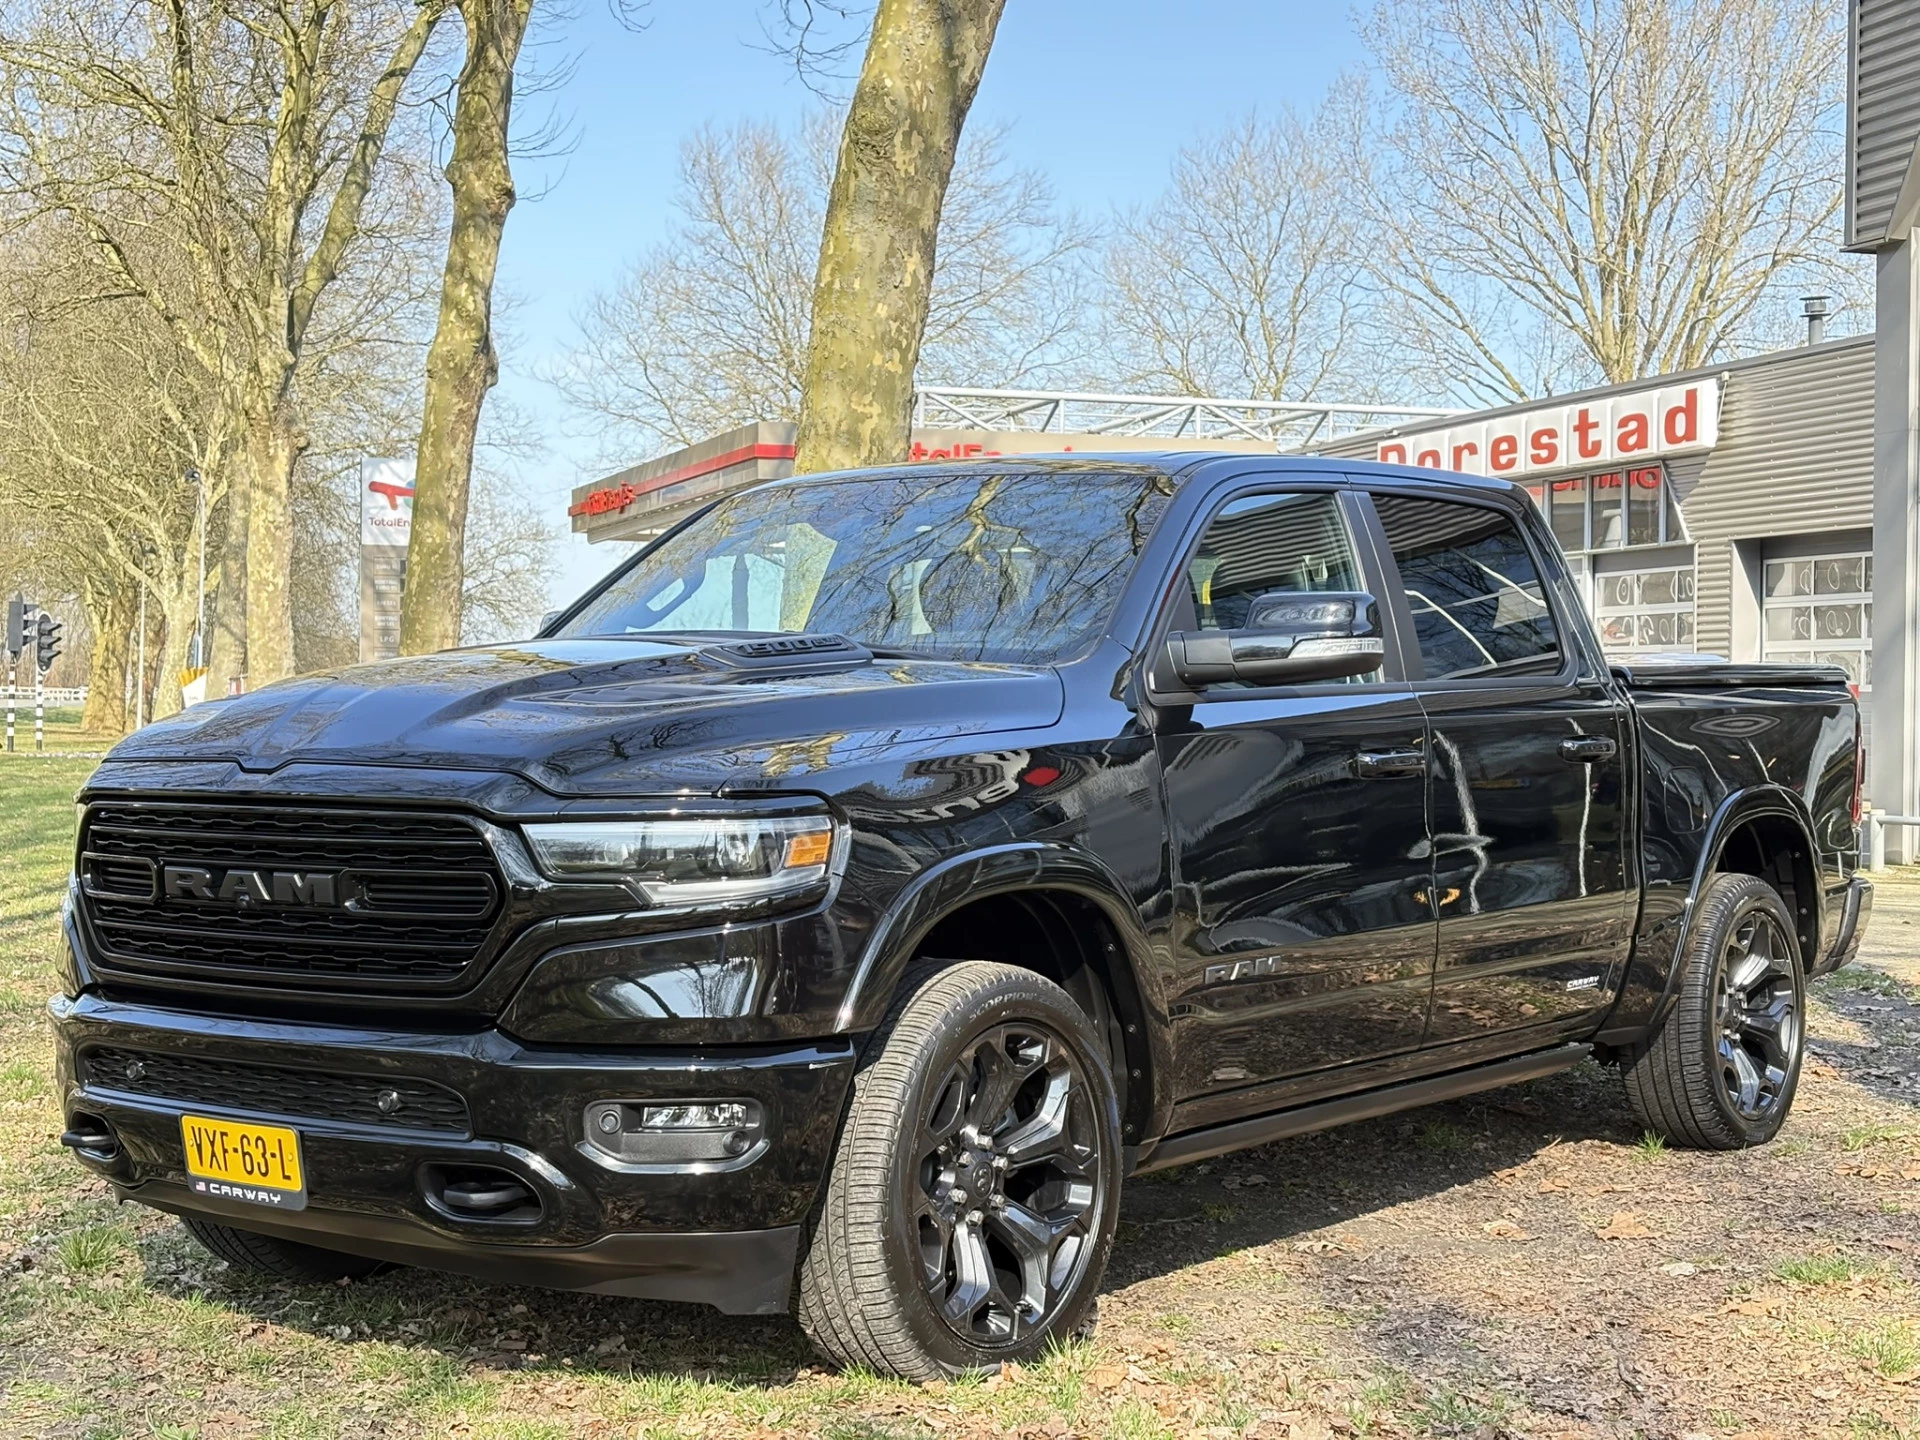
<point x="238" y="1160"/>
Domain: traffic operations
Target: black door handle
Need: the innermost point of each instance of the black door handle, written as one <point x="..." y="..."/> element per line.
<point x="1389" y="764"/>
<point x="1587" y="750"/>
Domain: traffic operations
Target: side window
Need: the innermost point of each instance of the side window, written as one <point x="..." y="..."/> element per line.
<point x="1264" y="545"/>
<point x="1478" y="605"/>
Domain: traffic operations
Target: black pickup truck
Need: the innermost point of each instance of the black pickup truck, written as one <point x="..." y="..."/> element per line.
<point x="839" y="901"/>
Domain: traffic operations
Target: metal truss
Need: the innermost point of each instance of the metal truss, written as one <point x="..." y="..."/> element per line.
<point x="1285" y="424"/>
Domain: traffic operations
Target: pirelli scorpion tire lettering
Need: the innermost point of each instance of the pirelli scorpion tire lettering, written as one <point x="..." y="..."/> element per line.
<point x="281" y="1259"/>
<point x="973" y="1196"/>
<point x="1721" y="1071"/>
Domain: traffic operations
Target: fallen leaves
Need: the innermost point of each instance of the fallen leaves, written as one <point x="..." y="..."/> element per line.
<point x="1625" y="1225"/>
<point x="1880" y="1170"/>
<point x="1114" y="1375"/>
<point x="1505" y="1230"/>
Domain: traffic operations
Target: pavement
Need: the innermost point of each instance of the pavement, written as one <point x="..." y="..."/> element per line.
<point x="1892" y="941"/>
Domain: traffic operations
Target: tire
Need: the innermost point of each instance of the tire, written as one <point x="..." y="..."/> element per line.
<point x="957" y="1233"/>
<point x="278" y="1259"/>
<point x="1721" y="1071"/>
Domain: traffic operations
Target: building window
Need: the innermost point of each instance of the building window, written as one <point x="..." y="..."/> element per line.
<point x="1643" y="611"/>
<point x="1819" y="610"/>
<point x="1611" y="510"/>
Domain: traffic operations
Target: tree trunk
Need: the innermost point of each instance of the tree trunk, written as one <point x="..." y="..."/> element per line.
<point x="462" y="365"/>
<point x="175" y="639"/>
<point x="922" y="67"/>
<point x="110" y="605"/>
<point x="271" y="451"/>
<point x="151" y="674"/>
<point x="227" y="650"/>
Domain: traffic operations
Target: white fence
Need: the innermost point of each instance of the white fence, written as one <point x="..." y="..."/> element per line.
<point x="53" y="694"/>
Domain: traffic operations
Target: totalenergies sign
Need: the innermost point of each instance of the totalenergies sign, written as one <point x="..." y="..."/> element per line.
<point x="386" y="502"/>
<point x="1670" y="420"/>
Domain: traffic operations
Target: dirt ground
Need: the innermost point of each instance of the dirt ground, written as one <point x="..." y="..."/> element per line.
<point x="1538" y="1268"/>
<point x="1523" y="1263"/>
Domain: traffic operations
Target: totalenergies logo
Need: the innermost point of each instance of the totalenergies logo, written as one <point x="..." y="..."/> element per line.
<point x="386" y="503"/>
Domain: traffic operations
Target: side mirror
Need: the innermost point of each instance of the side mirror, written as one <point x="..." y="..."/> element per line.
<point x="546" y="620"/>
<point x="1289" y="639"/>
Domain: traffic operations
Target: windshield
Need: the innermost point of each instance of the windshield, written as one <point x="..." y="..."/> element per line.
<point x="979" y="566"/>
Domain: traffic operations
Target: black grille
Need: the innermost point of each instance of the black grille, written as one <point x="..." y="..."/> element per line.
<point x="277" y="1090"/>
<point x="307" y="897"/>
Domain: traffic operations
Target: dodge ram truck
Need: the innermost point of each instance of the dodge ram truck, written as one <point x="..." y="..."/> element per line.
<point x="830" y="909"/>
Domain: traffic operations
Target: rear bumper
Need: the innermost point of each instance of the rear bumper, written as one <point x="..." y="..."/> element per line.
<point x="723" y="1234"/>
<point x="1856" y="906"/>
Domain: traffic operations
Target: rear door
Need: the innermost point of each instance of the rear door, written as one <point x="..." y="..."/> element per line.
<point x="1303" y="931"/>
<point x="1527" y="784"/>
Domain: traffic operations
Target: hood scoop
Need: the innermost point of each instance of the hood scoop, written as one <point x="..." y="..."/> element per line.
<point x="788" y="654"/>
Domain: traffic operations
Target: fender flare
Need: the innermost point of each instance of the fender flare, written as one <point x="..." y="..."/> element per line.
<point x="944" y="888"/>
<point x="1753" y="803"/>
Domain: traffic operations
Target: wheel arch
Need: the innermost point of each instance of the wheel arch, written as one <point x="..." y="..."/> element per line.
<point x="1748" y="833"/>
<point x="1061" y="913"/>
<point x="1764" y="831"/>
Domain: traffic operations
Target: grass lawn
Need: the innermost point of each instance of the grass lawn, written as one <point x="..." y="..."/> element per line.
<point x="62" y="733"/>
<point x="1520" y="1264"/>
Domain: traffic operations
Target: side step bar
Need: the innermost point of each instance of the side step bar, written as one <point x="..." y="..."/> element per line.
<point x="1215" y="1140"/>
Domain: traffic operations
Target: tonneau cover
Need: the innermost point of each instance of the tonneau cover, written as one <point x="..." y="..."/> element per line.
<point x="1693" y="672"/>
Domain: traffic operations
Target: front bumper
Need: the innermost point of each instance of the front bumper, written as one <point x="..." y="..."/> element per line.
<point x="723" y="1234"/>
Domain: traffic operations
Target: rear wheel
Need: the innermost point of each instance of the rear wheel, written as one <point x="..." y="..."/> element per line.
<point x="974" y="1192"/>
<point x="279" y="1259"/>
<point x="1721" y="1072"/>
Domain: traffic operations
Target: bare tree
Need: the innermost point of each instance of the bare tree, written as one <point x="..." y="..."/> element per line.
<point x="1246" y="277"/>
<point x="1600" y="190"/>
<point x="509" y="555"/>
<point x="253" y="133"/>
<point x="923" y="65"/>
<point x="98" y="423"/>
<point x="709" y="329"/>
<point x="462" y="365"/>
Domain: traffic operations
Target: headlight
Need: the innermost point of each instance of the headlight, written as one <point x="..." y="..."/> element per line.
<point x="694" y="862"/>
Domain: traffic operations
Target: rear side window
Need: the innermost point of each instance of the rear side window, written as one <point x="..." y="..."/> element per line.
<point x="1478" y="605"/>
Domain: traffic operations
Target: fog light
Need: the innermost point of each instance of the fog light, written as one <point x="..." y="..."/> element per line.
<point x="677" y="1136"/>
<point x="726" y="1115"/>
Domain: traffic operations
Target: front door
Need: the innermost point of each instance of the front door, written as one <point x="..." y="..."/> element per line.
<point x="1527" y="781"/>
<point x="1303" y="931"/>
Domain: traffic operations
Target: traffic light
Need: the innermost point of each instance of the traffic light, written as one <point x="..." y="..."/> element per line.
<point x="48" y="638"/>
<point x="16" y="626"/>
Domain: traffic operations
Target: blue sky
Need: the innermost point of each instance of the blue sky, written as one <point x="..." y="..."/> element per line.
<point x="1098" y="96"/>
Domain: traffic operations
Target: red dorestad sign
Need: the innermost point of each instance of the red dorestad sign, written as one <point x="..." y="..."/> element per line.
<point x="1639" y="425"/>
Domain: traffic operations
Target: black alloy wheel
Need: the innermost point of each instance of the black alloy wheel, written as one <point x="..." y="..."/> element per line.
<point x="1721" y="1070"/>
<point x="1757" y="1011"/>
<point x="975" y="1186"/>
<point x="1006" y="1195"/>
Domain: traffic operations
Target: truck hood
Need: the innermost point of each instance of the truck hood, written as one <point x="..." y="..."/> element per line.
<point x="609" y="716"/>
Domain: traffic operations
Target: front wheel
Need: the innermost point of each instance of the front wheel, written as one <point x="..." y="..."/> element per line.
<point x="271" y="1257"/>
<point x="1721" y="1071"/>
<point x="975" y="1188"/>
